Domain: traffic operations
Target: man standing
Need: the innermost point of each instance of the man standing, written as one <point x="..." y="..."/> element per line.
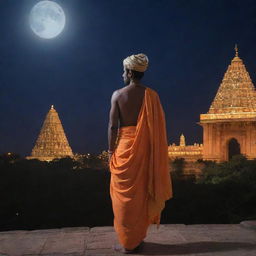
<point x="138" y="156"/>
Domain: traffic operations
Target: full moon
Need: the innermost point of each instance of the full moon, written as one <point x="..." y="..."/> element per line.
<point x="47" y="19"/>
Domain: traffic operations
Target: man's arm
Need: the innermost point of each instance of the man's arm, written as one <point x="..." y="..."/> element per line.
<point x="113" y="122"/>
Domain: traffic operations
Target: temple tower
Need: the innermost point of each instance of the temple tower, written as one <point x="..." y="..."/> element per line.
<point x="182" y="140"/>
<point x="52" y="142"/>
<point x="229" y="127"/>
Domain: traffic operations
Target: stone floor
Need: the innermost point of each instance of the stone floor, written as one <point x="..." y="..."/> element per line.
<point x="203" y="240"/>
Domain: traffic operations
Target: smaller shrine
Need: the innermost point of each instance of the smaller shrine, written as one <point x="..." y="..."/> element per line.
<point x="189" y="153"/>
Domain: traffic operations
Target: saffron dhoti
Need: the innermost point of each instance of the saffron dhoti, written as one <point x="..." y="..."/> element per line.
<point x="140" y="179"/>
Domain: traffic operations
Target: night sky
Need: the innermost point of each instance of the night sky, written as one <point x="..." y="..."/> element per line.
<point x="189" y="45"/>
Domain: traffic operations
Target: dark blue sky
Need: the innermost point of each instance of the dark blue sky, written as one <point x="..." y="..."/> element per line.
<point x="189" y="45"/>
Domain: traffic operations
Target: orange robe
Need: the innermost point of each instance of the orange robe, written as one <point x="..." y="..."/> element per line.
<point x="140" y="178"/>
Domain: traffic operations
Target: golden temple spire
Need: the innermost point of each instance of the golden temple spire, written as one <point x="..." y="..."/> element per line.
<point x="182" y="140"/>
<point x="236" y="50"/>
<point x="236" y="93"/>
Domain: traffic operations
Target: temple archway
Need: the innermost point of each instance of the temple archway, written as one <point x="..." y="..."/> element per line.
<point x="233" y="148"/>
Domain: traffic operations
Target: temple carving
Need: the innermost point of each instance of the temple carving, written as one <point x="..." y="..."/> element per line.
<point x="52" y="142"/>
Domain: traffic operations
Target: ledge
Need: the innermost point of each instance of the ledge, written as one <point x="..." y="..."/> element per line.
<point x="169" y="239"/>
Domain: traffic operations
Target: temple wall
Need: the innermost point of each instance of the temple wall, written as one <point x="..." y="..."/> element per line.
<point x="217" y="136"/>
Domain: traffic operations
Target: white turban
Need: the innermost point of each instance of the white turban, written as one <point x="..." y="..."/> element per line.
<point x="137" y="62"/>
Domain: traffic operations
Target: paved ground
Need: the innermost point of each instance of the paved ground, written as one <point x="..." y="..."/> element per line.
<point x="203" y="240"/>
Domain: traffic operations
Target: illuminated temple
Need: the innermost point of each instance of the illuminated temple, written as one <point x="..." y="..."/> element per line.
<point x="229" y="127"/>
<point x="52" y="142"/>
<point x="190" y="153"/>
<point x="230" y="124"/>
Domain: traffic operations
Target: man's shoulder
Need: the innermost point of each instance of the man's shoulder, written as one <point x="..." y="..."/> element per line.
<point x="120" y="91"/>
<point x="124" y="89"/>
<point x="117" y="92"/>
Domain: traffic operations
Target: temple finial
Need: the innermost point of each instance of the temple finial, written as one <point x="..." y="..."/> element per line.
<point x="236" y="49"/>
<point x="52" y="107"/>
<point x="182" y="140"/>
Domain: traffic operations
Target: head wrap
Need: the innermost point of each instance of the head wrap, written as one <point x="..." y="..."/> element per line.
<point x="137" y="62"/>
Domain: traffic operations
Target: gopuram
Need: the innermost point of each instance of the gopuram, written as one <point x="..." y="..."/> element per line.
<point x="52" y="142"/>
<point x="229" y="127"/>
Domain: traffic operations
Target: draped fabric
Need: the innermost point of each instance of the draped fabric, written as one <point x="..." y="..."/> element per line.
<point x="140" y="179"/>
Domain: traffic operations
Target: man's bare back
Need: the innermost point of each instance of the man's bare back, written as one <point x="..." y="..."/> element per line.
<point x="129" y="100"/>
<point x="125" y="108"/>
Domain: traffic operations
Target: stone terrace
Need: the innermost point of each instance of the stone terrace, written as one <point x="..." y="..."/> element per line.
<point x="173" y="239"/>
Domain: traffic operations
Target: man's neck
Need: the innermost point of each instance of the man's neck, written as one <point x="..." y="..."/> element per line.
<point x="135" y="83"/>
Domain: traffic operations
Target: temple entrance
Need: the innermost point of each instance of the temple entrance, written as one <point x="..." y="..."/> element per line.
<point x="233" y="148"/>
